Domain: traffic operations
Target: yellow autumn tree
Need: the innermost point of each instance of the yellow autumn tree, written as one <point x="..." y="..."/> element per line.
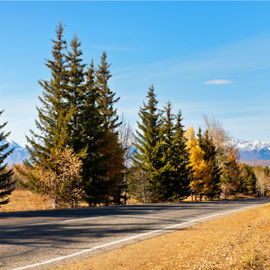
<point x="62" y="182"/>
<point x="201" y="176"/>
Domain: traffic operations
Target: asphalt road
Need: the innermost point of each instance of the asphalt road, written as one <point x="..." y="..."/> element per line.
<point x="44" y="239"/>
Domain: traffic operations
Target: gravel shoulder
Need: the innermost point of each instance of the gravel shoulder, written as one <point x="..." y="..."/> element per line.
<point x="237" y="241"/>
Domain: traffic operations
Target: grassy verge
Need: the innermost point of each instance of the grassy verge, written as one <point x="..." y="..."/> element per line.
<point x="24" y="200"/>
<point x="239" y="241"/>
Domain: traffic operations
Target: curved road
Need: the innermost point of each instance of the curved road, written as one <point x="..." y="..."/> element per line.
<point x="45" y="239"/>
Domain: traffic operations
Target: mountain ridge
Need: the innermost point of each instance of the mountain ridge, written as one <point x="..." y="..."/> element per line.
<point x="19" y="153"/>
<point x="254" y="152"/>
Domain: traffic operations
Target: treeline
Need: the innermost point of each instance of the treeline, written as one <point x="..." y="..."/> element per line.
<point x="83" y="152"/>
<point x="170" y="164"/>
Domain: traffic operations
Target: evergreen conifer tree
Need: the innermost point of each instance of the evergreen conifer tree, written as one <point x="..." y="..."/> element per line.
<point x="182" y="174"/>
<point x="173" y="170"/>
<point x="163" y="187"/>
<point x="54" y="114"/>
<point x="147" y="137"/>
<point x="249" y="180"/>
<point x="112" y="150"/>
<point x="106" y="99"/>
<point x="87" y="125"/>
<point x="6" y="183"/>
<point x="230" y="177"/>
<point x="93" y="133"/>
<point x="75" y="95"/>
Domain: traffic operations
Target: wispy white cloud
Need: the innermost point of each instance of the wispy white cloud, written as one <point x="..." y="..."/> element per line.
<point x="217" y="82"/>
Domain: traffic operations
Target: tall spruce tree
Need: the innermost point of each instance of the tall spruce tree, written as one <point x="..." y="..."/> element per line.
<point x="6" y="183"/>
<point x="231" y="175"/>
<point x="213" y="188"/>
<point x="106" y="99"/>
<point x="174" y="172"/>
<point x="54" y="114"/>
<point x="147" y="137"/>
<point x="91" y="136"/>
<point x="182" y="174"/>
<point x="95" y="177"/>
<point x="248" y="180"/>
<point x="163" y="186"/>
<point x="112" y="150"/>
<point x="75" y="95"/>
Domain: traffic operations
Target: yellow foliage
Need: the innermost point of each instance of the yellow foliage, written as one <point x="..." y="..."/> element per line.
<point x="201" y="182"/>
<point x="63" y="181"/>
<point x="232" y="154"/>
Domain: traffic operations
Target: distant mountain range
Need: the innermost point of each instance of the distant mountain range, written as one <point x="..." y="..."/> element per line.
<point x="251" y="152"/>
<point x="18" y="155"/>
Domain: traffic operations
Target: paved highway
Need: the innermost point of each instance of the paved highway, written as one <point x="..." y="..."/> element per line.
<point x="45" y="239"/>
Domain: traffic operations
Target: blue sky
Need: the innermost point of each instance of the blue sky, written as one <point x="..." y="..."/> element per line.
<point x="207" y="58"/>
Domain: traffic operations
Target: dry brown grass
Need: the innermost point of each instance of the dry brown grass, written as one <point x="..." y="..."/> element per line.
<point x="24" y="200"/>
<point x="239" y="241"/>
<point x="204" y="198"/>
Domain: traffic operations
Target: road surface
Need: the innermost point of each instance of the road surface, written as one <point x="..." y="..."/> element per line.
<point x="45" y="239"/>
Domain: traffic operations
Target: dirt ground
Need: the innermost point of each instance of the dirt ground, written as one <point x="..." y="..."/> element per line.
<point x="238" y="241"/>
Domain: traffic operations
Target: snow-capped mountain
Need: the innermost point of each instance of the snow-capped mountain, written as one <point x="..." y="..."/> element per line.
<point x="251" y="150"/>
<point x="18" y="155"/>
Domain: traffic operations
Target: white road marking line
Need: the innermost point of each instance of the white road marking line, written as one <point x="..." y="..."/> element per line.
<point x="133" y="237"/>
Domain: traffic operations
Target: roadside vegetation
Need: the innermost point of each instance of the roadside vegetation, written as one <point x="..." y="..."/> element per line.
<point x="83" y="152"/>
<point x="6" y="181"/>
<point x="25" y="200"/>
